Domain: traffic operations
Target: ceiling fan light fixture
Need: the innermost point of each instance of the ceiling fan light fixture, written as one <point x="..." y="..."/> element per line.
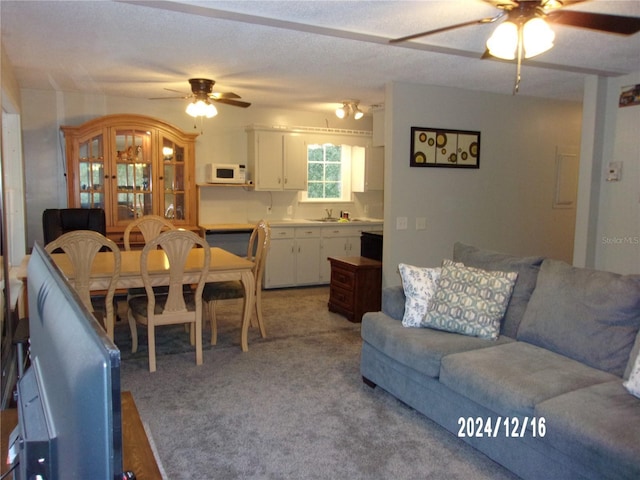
<point x="504" y="41"/>
<point x="537" y="37"/>
<point x="202" y="108"/>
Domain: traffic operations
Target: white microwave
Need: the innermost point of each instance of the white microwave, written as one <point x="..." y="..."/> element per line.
<point x="225" y="173"/>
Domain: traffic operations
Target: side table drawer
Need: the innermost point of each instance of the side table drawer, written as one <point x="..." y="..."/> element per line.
<point x="342" y="278"/>
<point x="341" y="297"/>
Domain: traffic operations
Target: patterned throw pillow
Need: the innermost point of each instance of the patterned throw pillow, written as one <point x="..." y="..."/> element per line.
<point x="633" y="384"/>
<point x="419" y="285"/>
<point x="470" y="301"/>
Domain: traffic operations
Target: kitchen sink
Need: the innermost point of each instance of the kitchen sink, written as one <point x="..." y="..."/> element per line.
<point x="326" y="219"/>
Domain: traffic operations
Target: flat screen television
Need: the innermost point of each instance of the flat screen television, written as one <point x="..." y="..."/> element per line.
<point x="69" y="403"/>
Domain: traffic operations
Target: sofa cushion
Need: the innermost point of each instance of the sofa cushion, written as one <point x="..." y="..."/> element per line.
<point x="526" y="267"/>
<point x="511" y="379"/>
<point x="635" y="351"/>
<point x="632" y="384"/>
<point x="598" y="425"/>
<point x="588" y="315"/>
<point x="421" y="349"/>
<point x="419" y="284"/>
<point x="469" y="300"/>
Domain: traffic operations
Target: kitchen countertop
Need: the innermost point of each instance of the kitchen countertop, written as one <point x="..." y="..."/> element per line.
<point x="285" y="222"/>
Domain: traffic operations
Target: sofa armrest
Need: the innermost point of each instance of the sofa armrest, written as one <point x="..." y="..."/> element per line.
<point x="393" y="300"/>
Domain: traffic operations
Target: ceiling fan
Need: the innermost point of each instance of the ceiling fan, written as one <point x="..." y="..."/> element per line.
<point x="202" y="90"/>
<point x="525" y="32"/>
<point x="551" y="11"/>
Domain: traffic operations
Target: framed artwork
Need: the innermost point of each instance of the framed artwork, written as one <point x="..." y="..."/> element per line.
<point x="436" y="147"/>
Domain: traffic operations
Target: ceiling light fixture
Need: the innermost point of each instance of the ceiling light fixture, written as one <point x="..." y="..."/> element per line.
<point x="202" y="108"/>
<point x="520" y="37"/>
<point x="348" y="107"/>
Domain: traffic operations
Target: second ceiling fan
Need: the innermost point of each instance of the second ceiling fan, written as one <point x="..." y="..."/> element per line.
<point x="519" y="12"/>
<point x="525" y="33"/>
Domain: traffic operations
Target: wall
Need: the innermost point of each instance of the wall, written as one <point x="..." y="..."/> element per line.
<point x="12" y="163"/>
<point x="505" y="205"/>
<point x="223" y="139"/>
<point x="609" y="212"/>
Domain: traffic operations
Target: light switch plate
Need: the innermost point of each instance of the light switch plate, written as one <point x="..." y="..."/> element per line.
<point x="401" y="223"/>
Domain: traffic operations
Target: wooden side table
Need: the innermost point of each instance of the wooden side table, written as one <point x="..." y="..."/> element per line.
<point x="356" y="286"/>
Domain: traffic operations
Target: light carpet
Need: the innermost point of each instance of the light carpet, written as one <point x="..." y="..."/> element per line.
<point x="292" y="407"/>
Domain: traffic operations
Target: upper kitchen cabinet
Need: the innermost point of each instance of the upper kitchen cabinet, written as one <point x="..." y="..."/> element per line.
<point x="277" y="159"/>
<point x="131" y="165"/>
<point x="367" y="169"/>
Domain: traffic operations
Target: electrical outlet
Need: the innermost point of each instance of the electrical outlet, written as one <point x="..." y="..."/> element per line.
<point x="421" y="223"/>
<point x="289" y="210"/>
<point x="268" y="210"/>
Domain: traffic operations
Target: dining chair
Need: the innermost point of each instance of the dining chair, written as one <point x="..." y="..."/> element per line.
<point x="177" y="306"/>
<point x="81" y="246"/>
<point x="217" y="291"/>
<point x="150" y="226"/>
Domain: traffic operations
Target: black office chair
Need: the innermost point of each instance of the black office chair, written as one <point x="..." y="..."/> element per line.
<point x="58" y="221"/>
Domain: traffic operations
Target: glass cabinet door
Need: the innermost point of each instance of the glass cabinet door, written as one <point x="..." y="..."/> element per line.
<point x="91" y="172"/>
<point x="134" y="175"/>
<point x="173" y="178"/>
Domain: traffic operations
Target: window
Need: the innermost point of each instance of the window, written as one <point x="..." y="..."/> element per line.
<point x="328" y="173"/>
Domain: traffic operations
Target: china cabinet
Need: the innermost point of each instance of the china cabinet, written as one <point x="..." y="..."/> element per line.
<point x="131" y="165"/>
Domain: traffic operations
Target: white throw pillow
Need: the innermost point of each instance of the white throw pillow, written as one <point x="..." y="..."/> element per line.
<point x="633" y="384"/>
<point x="419" y="284"/>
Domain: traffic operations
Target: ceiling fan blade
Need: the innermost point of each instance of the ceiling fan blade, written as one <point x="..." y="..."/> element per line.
<point x="235" y="103"/>
<point x="445" y="29"/>
<point x="597" y="21"/>
<point x="170" y="98"/>
<point x="219" y="95"/>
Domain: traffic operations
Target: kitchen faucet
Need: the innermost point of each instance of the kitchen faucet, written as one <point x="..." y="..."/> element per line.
<point x="329" y="212"/>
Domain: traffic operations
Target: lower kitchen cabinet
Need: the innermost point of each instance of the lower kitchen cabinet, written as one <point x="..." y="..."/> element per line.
<point x="293" y="258"/>
<point x="298" y="255"/>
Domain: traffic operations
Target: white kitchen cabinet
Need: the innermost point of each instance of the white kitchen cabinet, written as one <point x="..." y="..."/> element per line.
<point x="367" y="169"/>
<point x="279" y="270"/>
<point x="298" y="255"/>
<point x="278" y="160"/>
<point x="293" y="258"/>
<point x="307" y="256"/>
<point x="338" y="241"/>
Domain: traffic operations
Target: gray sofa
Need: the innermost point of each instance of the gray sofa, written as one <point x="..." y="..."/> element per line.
<point x="567" y="341"/>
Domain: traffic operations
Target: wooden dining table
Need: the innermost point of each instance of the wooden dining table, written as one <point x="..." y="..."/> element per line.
<point x="224" y="266"/>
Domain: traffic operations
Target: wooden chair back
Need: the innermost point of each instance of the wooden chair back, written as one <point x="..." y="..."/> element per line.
<point x="149" y="225"/>
<point x="81" y="246"/>
<point x="179" y="306"/>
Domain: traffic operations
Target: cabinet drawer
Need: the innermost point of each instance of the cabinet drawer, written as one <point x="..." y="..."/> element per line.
<point x="329" y="232"/>
<point x="281" y="232"/>
<point x="341" y="297"/>
<point x="307" y="232"/>
<point x="343" y="278"/>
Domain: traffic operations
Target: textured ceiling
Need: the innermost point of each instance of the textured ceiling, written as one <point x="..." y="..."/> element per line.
<point x="306" y="55"/>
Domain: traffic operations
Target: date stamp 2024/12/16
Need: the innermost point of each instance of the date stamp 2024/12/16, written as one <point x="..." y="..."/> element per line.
<point x="509" y="427"/>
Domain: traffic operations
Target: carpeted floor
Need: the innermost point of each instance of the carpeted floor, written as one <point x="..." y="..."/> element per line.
<point x="292" y="407"/>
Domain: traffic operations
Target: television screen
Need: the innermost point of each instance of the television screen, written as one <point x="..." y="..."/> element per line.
<point x="69" y="404"/>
